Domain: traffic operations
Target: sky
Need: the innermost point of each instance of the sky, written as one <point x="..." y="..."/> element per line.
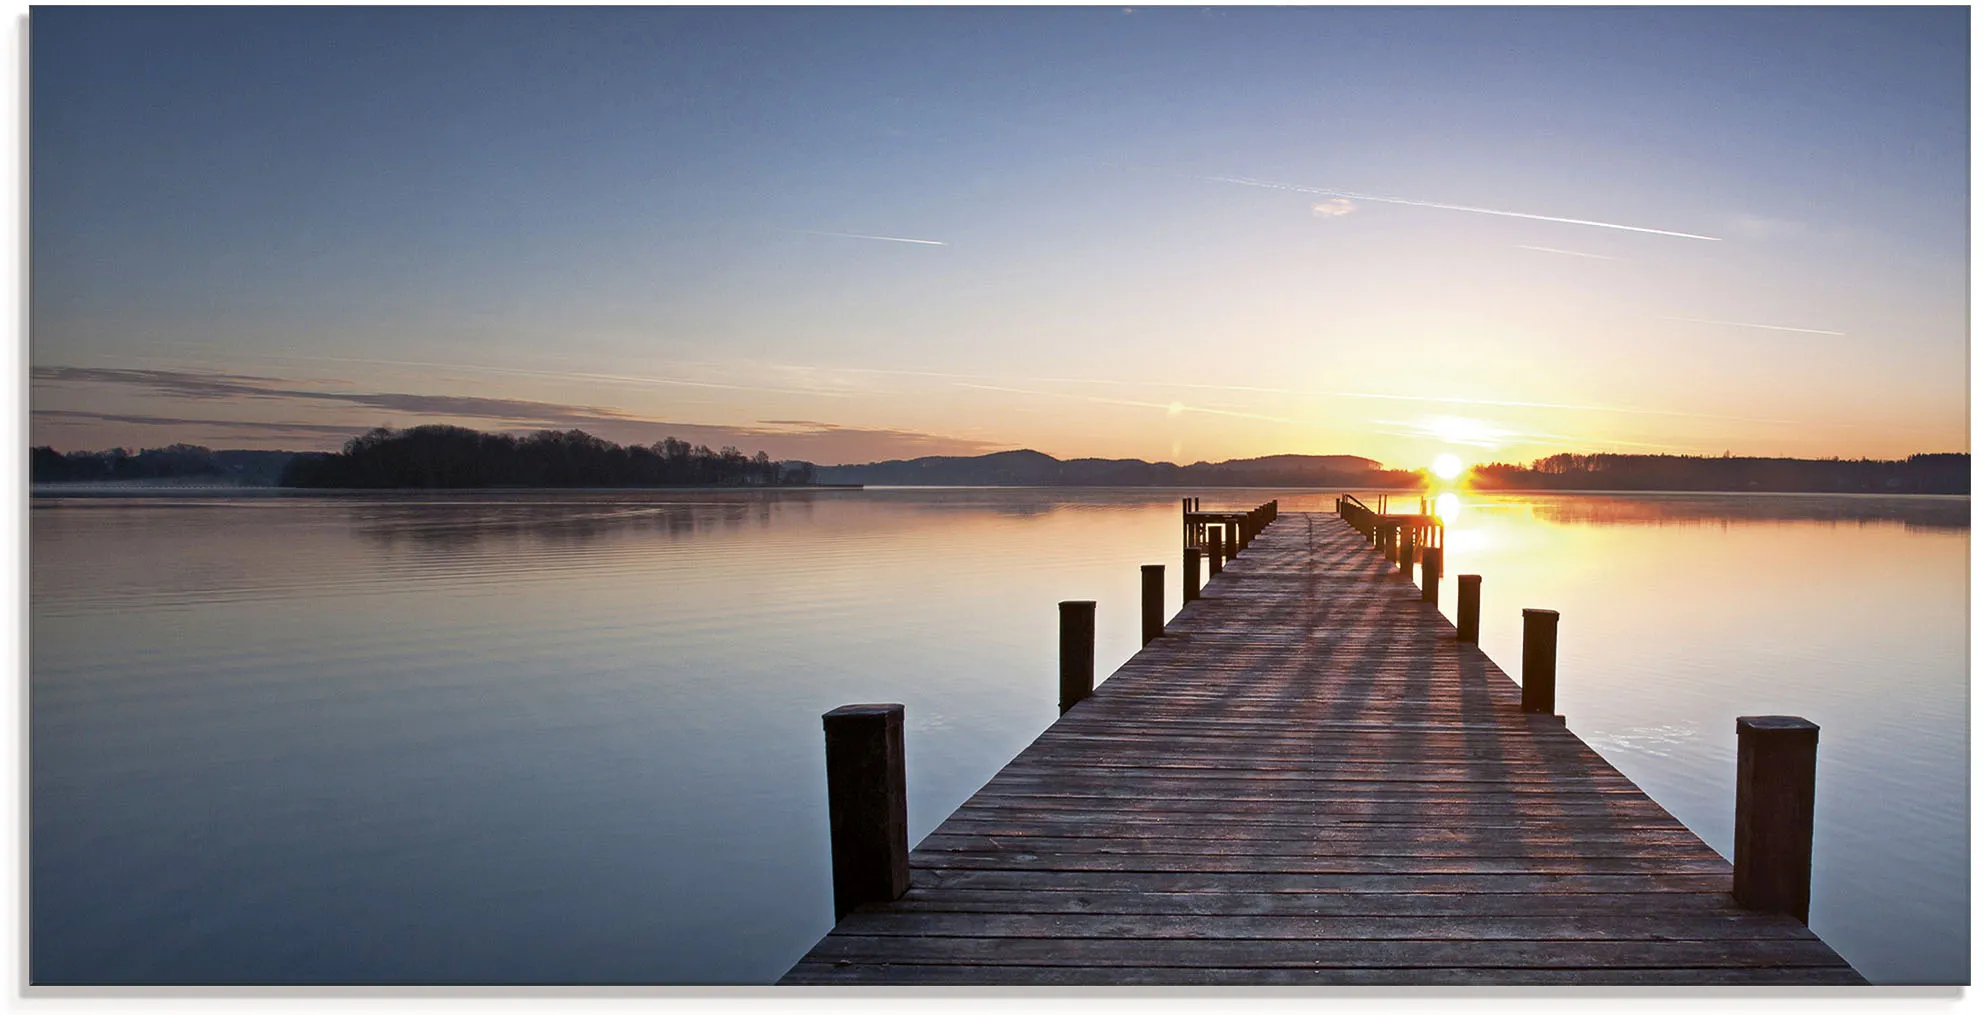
<point x="846" y="235"/>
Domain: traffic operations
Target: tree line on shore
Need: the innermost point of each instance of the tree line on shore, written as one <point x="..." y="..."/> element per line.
<point x="174" y="462"/>
<point x="1929" y="473"/>
<point x="457" y="457"/>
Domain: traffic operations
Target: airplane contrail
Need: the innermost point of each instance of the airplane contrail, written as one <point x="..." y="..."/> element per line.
<point x="1567" y="253"/>
<point x="1745" y="324"/>
<point x="869" y="236"/>
<point x="1459" y="207"/>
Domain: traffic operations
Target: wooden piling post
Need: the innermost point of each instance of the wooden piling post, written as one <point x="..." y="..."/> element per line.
<point x="1191" y="573"/>
<point x="1153" y="575"/>
<point x="1430" y="564"/>
<point x="1387" y="534"/>
<point x="1077" y="652"/>
<point x="1776" y="775"/>
<point x="1467" y="619"/>
<point x="1407" y="547"/>
<point x="1539" y="661"/>
<point x="867" y="805"/>
<point x="1215" y="553"/>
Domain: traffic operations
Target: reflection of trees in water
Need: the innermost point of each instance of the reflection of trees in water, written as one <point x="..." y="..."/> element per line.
<point x="460" y="520"/>
<point x="1025" y="503"/>
<point x="1912" y="513"/>
<point x="459" y="523"/>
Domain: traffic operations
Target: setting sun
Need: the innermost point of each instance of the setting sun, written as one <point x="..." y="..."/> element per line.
<point x="1447" y="466"/>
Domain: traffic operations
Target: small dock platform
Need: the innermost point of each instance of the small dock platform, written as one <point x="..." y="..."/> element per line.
<point x="1309" y="780"/>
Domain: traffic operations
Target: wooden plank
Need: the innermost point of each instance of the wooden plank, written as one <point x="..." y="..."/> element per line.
<point x="1338" y="845"/>
<point x="1287" y="787"/>
<point x="961" y="829"/>
<point x="1783" y="980"/>
<point x="1483" y="824"/>
<point x="1611" y="927"/>
<point x="1227" y="881"/>
<point x="1316" y="954"/>
<point x="1201" y="862"/>
<point x="1257" y="903"/>
<point x="1445" y="807"/>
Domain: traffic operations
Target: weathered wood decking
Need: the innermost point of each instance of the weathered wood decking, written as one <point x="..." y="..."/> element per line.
<point x="1307" y="780"/>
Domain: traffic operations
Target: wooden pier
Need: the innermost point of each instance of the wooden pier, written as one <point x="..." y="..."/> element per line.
<point x="1309" y="779"/>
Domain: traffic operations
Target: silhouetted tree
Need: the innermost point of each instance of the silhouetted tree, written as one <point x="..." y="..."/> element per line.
<point x="456" y="457"/>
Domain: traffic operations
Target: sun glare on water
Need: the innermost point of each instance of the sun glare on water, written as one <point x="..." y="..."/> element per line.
<point x="1447" y="466"/>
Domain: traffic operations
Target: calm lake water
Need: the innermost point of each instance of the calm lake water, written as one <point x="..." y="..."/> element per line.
<point x="575" y="738"/>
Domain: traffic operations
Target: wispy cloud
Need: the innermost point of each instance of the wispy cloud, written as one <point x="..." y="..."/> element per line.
<point x="1450" y="430"/>
<point x="1566" y="253"/>
<point x="1746" y="324"/>
<point x="1169" y="408"/>
<point x="814" y="440"/>
<point x="1414" y="203"/>
<point x="629" y="380"/>
<point x="256" y="426"/>
<point x="1488" y="436"/>
<point x="870" y="236"/>
<point x="1335" y="207"/>
<point x="1004" y="383"/>
<point x="228" y="387"/>
<point x="1556" y="405"/>
<point x="817" y="428"/>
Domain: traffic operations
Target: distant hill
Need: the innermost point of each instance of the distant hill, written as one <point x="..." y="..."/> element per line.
<point x="1031" y="468"/>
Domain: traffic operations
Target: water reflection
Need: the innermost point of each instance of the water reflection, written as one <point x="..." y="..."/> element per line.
<point x="1918" y="512"/>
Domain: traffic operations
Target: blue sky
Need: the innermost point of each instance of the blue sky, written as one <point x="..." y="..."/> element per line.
<point x="276" y="228"/>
